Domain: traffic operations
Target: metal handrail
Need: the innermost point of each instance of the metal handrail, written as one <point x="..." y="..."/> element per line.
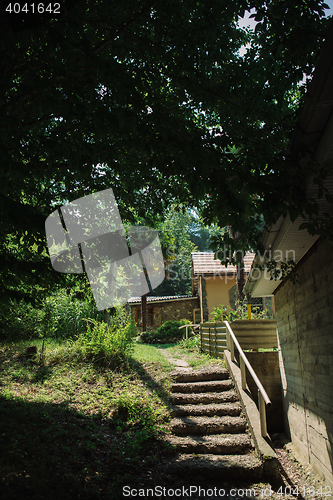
<point x="244" y="363"/>
<point x="187" y="326"/>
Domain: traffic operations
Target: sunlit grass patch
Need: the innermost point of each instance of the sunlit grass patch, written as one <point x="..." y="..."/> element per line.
<point x="192" y="355"/>
<point x="147" y="353"/>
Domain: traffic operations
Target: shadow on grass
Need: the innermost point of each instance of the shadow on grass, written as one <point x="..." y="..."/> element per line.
<point x="160" y="390"/>
<point x="50" y="451"/>
<point x="43" y="373"/>
<point x="43" y="450"/>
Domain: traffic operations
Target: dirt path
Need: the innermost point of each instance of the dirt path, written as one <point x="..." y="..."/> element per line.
<point x="179" y="363"/>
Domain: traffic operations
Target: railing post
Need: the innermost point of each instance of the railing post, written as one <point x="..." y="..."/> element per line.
<point x="186" y="332"/>
<point x="263" y="398"/>
<point x="232" y="350"/>
<point x="215" y="333"/>
<point x="262" y="412"/>
<point x="243" y="372"/>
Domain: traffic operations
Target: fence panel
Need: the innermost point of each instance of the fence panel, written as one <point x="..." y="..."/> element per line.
<point x="255" y="334"/>
<point x="213" y="338"/>
<point x="251" y="334"/>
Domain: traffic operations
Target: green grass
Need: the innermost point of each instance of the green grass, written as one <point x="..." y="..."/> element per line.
<point x="148" y="353"/>
<point x="273" y="349"/>
<point x="75" y="430"/>
<point x="194" y="358"/>
<point x="70" y="428"/>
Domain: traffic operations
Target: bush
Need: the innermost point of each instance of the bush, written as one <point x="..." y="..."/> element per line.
<point x="106" y="344"/>
<point x="65" y="316"/>
<point x="166" y="333"/>
<point x="192" y="344"/>
<point x="21" y="320"/>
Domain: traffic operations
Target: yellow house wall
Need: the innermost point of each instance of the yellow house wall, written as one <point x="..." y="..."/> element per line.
<point x="217" y="288"/>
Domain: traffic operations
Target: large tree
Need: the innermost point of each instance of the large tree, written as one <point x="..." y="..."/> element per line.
<point x="156" y="100"/>
<point x="175" y="230"/>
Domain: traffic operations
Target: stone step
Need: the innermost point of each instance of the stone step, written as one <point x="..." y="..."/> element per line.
<point x="208" y="386"/>
<point x="207" y="425"/>
<point x="204" y="398"/>
<point x="208" y="429"/>
<point x="209" y="410"/>
<point x="216" y="444"/>
<point x="223" y="467"/>
<point x="203" y="374"/>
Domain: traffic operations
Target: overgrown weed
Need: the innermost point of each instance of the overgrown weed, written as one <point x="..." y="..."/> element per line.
<point x="106" y="344"/>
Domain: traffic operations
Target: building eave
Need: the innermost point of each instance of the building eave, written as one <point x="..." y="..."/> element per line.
<point x="135" y="301"/>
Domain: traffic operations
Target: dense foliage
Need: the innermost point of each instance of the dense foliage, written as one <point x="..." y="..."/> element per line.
<point x="159" y="100"/>
<point x="61" y="314"/>
<point x="178" y="258"/>
<point x="226" y="313"/>
<point x="107" y="344"/>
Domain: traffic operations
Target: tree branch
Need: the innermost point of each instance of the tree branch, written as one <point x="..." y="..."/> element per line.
<point x="123" y="27"/>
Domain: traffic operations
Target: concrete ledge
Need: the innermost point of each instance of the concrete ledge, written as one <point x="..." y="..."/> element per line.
<point x="262" y="446"/>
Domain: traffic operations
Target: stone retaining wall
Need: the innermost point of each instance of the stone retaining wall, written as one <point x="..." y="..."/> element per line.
<point x="171" y="310"/>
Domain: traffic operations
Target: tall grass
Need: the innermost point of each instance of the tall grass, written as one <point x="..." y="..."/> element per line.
<point x="66" y="316"/>
<point x="106" y="344"/>
<point x="61" y="314"/>
<point x="191" y="344"/>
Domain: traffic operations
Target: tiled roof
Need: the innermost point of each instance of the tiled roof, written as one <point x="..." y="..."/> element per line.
<point x="204" y="263"/>
<point x="137" y="300"/>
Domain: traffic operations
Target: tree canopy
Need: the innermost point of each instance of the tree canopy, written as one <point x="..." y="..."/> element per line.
<point x="158" y="100"/>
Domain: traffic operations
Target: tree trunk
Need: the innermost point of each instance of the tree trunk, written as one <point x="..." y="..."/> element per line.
<point x="144" y="312"/>
<point x="240" y="280"/>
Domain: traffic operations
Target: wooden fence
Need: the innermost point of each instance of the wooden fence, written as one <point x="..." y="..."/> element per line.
<point x="255" y="333"/>
<point x="251" y="334"/>
<point x="213" y="338"/>
<point x="236" y="336"/>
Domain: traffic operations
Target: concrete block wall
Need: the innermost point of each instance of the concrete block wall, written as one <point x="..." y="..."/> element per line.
<point x="304" y="315"/>
<point x="266" y="366"/>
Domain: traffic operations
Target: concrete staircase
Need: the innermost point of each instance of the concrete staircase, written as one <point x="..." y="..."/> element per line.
<point x="209" y="430"/>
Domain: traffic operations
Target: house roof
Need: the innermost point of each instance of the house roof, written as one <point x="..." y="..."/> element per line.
<point x="205" y="263"/>
<point x="166" y="298"/>
<point x="312" y="140"/>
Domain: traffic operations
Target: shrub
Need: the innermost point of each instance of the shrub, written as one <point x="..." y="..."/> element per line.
<point x="166" y="333"/>
<point x="21" y="319"/>
<point x="65" y="316"/>
<point x="191" y="344"/>
<point x="106" y="344"/>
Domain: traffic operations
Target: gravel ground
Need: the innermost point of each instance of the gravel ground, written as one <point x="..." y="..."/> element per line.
<point x="297" y="474"/>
